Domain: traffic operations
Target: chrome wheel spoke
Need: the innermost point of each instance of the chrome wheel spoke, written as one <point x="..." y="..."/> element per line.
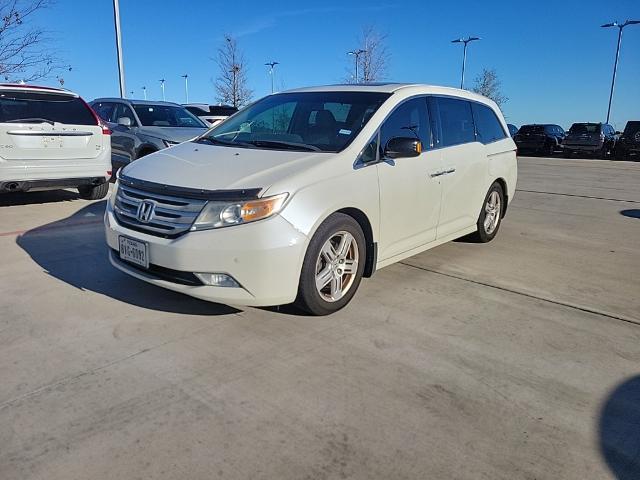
<point x="336" y="287"/>
<point x="329" y="252"/>
<point x="323" y="278"/>
<point x="350" y="267"/>
<point x="344" y="246"/>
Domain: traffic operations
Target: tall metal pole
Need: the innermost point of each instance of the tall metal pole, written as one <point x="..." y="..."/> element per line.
<point x="186" y="87"/>
<point x="271" y="66"/>
<point x="144" y="91"/>
<point x="466" y="42"/>
<point x="464" y="62"/>
<point x="162" y="87"/>
<point x="356" y="54"/>
<point x="116" y="20"/>
<point x="615" y="64"/>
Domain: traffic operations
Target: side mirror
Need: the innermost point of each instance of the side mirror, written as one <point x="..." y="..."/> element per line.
<point x="403" y="147"/>
<point x="124" y="121"/>
<point x="618" y="132"/>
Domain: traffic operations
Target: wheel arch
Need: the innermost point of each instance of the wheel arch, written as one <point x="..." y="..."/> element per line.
<point x="371" y="246"/>
<point x="503" y="183"/>
<point x="145" y="149"/>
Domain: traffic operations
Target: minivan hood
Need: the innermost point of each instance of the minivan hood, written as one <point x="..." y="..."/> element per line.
<point x="174" y="134"/>
<point x="210" y="167"/>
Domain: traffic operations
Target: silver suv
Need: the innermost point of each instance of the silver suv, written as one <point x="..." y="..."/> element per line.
<point x="142" y="127"/>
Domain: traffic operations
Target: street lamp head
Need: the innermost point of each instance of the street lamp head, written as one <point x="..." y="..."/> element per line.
<point x="457" y="40"/>
<point x="612" y="24"/>
<point x="628" y="22"/>
<point x="185" y="76"/>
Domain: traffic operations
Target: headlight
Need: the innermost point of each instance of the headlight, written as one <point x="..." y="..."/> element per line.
<point x="225" y="214"/>
<point x="169" y="143"/>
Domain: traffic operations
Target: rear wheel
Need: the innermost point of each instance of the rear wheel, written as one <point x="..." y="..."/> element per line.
<point x="94" y="192"/>
<point x="551" y="149"/>
<point x="333" y="266"/>
<point x="490" y="215"/>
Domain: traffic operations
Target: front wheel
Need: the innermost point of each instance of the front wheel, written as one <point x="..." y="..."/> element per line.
<point x="490" y="215"/>
<point x="333" y="266"/>
<point x="94" y="192"/>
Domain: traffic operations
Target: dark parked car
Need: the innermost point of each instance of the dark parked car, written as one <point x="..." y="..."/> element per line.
<point x="542" y="139"/>
<point x="512" y="129"/>
<point x="597" y="139"/>
<point x="142" y="127"/>
<point x="628" y="145"/>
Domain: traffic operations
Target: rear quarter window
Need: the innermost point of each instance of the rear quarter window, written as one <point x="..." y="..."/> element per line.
<point x="66" y="109"/>
<point x="456" y="121"/>
<point x="488" y="127"/>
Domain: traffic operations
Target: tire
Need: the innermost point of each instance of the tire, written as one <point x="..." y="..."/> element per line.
<point x="488" y="229"/>
<point x="336" y="231"/>
<point x="551" y="149"/>
<point x="94" y="192"/>
<point x="567" y="154"/>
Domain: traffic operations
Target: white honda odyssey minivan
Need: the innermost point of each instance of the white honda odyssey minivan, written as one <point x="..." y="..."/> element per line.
<point x="50" y="138"/>
<point x="303" y="193"/>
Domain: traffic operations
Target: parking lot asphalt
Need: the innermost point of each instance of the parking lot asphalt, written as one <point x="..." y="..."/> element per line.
<point x="517" y="359"/>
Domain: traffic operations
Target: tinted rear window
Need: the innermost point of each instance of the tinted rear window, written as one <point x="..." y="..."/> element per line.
<point x="632" y="128"/>
<point x="531" y="129"/>
<point x="54" y="107"/>
<point x="222" y="110"/>
<point x="456" y="121"/>
<point x="488" y="126"/>
<point x="585" y="128"/>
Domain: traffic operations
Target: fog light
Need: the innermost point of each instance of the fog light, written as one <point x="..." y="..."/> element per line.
<point x="217" y="279"/>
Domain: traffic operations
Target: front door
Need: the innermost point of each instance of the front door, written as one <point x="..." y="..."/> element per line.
<point x="410" y="188"/>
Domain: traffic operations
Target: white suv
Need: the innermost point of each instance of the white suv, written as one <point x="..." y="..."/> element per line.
<point x="50" y="138"/>
<point x="301" y="194"/>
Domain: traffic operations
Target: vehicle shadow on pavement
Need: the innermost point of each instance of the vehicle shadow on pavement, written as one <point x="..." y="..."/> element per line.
<point x="30" y="198"/>
<point x="74" y="250"/>
<point x="619" y="430"/>
<point x="632" y="213"/>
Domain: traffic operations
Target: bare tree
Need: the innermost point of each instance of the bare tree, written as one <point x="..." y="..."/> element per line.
<point x="231" y="84"/>
<point x="372" y="59"/>
<point x="23" y="51"/>
<point x="488" y="84"/>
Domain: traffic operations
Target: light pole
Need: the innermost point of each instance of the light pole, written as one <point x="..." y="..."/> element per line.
<point x="466" y="41"/>
<point x="356" y="54"/>
<point x="615" y="65"/>
<point x="186" y="87"/>
<point x="144" y="91"/>
<point x="162" y="87"/>
<point x="116" y="21"/>
<point x="271" y="65"/>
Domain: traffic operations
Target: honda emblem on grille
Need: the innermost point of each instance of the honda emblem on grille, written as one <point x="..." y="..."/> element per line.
<point x="145" y="212"/>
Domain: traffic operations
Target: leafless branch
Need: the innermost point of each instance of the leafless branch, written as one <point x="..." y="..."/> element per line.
<point x="374" y="59"/>
<point x="231" y="84"/>
<point x="488" y="84"/>
<point x="23" y="54"/>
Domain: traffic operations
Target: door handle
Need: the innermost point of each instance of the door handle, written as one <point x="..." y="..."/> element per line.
<point x="442" y="172"/>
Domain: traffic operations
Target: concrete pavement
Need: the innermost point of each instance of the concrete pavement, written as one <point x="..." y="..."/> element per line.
<point x="518" y="359"/>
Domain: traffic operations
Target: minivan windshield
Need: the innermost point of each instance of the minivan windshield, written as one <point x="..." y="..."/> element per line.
<point x="585" y="128"/>
<point x="166" y="116"/>
<point x="305" y="121"/>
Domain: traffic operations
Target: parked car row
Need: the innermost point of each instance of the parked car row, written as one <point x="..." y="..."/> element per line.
<point x="595" y="139"/>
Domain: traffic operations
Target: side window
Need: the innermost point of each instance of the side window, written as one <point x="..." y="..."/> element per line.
<point x="410" y="119"/>
<point x="104" y="111"/>
<point x="456" y="121"/>
<point x="123" y="110"/>
<point x="488" y="127"/>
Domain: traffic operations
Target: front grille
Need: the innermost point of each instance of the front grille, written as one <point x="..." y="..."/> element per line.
<point x="173" y="214"/>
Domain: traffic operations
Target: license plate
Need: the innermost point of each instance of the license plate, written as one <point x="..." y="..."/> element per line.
<point x="52" y="142"/>
<point x="134" y="251"/>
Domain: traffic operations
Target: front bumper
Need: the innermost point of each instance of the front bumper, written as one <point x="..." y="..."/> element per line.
<point x="264" y="257"/>
<point x="581" y="148"/>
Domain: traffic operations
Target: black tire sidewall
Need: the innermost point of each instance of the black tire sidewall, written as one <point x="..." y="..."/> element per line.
<point x="95" y="192"/>
<point x="482" y="235"/>
<point x="309" y="298"/>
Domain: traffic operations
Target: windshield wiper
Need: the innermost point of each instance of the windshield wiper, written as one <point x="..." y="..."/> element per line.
<point x="217" y="141"/>
<point x="31" y="120"/>
<point x="285" y="145"/>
